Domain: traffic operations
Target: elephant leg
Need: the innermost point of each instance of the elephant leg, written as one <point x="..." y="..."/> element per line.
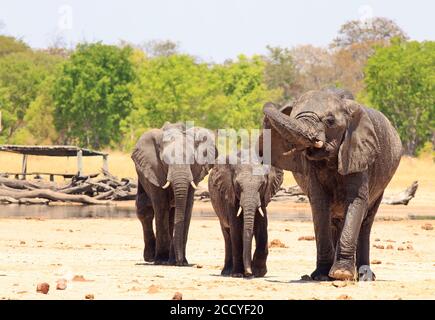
<point x="320" y="207"/>
<point x="357" y="194"/>
<point x="145" y="215"/>
<point x="163" y="242"/>
<point x="363" y="248"/>
<point x="236" y="232"/>
<point x="171" y="260"/>
<point x="259" y="267"/>
<point x="228" y="266"/>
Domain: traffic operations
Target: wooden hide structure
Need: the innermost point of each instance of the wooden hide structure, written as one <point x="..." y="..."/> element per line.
<point x="52" y="151"/>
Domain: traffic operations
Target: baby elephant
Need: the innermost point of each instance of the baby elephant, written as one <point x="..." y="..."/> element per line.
<point x="239" y="195"/>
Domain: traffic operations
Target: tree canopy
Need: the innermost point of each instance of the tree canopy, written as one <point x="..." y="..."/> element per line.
<point x="400" y="82"/>
<point x="92" y="94"/>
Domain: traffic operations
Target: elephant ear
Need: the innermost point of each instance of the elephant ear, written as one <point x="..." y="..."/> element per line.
<point x="279" y="147"/>
<point x="223" y="181"/>
<point x="205" y="150"/>
<point x="146" y="157"/>
<point x="274" y="181"/>
<point x="360" y="145"/>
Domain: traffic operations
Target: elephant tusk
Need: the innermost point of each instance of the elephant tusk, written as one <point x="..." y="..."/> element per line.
<point x="166" y="186"/>
<point x="318" y="144"/>
<point x="194" y="186"/>
<point x="289" y="152"/>
<point x="261" y="211"/>
<point x="240" y="211"/>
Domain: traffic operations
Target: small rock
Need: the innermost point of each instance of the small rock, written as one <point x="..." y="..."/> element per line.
<point x="199" y="266"/>
<point x="306" y="238"/>
<point x="177" y="296"/>
<point x="377" y="239"/>
<point x="43" y="287"/>
<point x="88" y="246"/>
<point x="409" y="247"/>
<point x="134" y="288"/>
<point x="390" y="247"/>
<point x="378" y="246"/>
<point x="401" y="248"/>
<point x="344" y="297"/>
<point x="376" y="262"/>
<point x="153" y="289"/>
<point x="80" y="278"/>
<point x="276" y="243"/>
<point x="390" y="240"/>
<point x="61" y="284"/>
<point x="339" y="284"/>
<point x="427" y="226"/>
<point x="89" y="296"/>
<point x="287" y="230"/>
<point x="306" y="277"/>
<point x="22" y="242"/>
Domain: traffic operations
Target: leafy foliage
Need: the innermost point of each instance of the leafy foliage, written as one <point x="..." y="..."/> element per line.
<point x="92" y="94"/>
<point x="400" y="82"/>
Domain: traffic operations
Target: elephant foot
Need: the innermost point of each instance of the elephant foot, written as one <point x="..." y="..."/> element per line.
<point x="161" y="259"/>
<point x="259" y="272"/>
<point x="226" y="272"/>
<point x="148" y="255"/>
<point x="366" y="274"/>
<point x="321" y="273"/>
<point x="343" y="270"/>
<point x="183" y="263"/>
<point x="237" y="275"/>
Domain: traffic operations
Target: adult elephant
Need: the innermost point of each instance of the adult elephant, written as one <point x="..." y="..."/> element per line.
<point x="342" y="155"/>
<point x="240" y="194"/>
<point x="168" y="172"/>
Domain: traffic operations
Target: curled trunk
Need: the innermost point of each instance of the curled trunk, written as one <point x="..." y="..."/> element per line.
<point x="291" y="129"/>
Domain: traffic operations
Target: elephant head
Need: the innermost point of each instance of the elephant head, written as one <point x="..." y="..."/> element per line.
<point x="248" y="188"/>
<point x="178" y="158"/>
<point x="322" y="125"/>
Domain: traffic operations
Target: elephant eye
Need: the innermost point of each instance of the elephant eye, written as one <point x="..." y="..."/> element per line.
<point x="329" y="121"/>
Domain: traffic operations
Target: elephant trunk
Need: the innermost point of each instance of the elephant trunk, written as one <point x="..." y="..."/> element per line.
<point x="180" y="180"/>
<point x="250" y="206"/>
<point x="296" y="131"/>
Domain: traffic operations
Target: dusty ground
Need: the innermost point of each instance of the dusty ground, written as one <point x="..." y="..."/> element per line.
<point x="107" y="253"/>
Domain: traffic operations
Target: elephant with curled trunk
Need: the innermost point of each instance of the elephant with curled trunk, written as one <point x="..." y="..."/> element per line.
<point x="170" y="162"/>
<point x="342" y="155"/>
<point x="240" y="194"/>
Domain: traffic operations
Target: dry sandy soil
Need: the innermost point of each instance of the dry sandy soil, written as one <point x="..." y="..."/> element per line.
<point x="107" y="253"/>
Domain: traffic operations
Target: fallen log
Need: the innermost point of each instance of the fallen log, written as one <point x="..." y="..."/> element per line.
<point x="51" y="195"/>
<point x="27" y="185"/>
<point x="404" y="197"/>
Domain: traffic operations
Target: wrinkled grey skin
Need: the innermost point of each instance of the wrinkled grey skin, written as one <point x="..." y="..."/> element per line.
<point x="344" y="179"/>
<point x="171" y="207"/>
<point x="235" y="186"/>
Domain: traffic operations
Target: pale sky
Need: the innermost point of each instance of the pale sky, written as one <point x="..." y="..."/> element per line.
<point x="210" y="29"/>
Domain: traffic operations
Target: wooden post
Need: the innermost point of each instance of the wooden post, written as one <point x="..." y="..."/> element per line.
<point x="24" y="167"/>
<point x="105" y="163"/>
<point x="79" y="163"/>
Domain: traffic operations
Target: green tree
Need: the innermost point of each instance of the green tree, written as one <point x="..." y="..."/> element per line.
<point x="400" y="82"/>
<point x="241" y="94"/>
<point x="23" y="75"/>
<point x="93" y="94"/>
<point x="168" y="88"/>
<point x="10" y="45"/>
<point x="280" y="71"/>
